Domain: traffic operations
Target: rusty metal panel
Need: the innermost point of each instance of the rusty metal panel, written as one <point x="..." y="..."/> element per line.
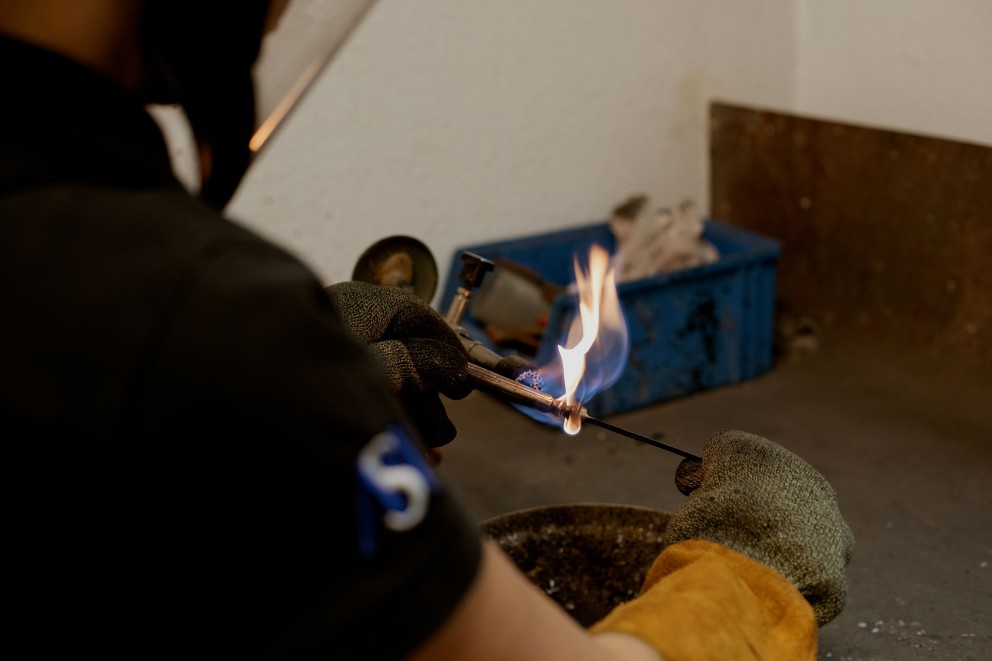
<point x="886" y="235"/>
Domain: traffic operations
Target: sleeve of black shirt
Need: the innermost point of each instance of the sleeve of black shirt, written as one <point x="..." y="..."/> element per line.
<point x="253" y="408"/>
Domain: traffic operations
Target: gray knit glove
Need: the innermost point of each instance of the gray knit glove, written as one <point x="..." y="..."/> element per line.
<point x="757" y="498"/>
<point x="421" y="354"/>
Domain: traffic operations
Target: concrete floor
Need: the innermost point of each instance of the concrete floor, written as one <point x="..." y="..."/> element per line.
<point x="906" y="443"/>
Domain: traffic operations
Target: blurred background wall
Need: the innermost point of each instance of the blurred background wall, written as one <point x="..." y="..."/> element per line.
<point x="462" y="121"/>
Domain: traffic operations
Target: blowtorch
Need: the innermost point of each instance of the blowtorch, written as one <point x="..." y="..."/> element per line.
<point x="402" y="261"/>
<point x="506" y="376"/>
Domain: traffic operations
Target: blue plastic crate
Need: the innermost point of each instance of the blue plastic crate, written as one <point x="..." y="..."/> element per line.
<point x="690" y="330"/>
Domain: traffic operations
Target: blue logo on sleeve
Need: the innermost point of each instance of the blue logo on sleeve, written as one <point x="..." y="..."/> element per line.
<point x="394" y="486"/>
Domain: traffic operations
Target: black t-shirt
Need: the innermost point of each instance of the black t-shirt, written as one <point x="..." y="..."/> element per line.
<point x="197" y="457"/>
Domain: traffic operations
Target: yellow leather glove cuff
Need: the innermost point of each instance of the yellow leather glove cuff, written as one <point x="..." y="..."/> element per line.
<point x="701" y="600"/>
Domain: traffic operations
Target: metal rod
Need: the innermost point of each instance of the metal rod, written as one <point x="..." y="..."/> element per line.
<point x="514" y="391"/>
<point x="510" y="390"/>
<point x="638" y="437"/>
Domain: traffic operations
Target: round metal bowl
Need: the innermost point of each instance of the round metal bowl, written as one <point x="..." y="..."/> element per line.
<point x="587" y="557"/>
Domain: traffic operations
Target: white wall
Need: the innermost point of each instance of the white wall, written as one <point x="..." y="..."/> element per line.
<point x="913" y="65"/>
<point x="460" y="121"/>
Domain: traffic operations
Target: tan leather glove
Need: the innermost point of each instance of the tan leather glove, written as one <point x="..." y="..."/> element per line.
<point x="756" y="558"/>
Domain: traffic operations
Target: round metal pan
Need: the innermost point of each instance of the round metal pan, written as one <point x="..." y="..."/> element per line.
<point x="587" y="557"/>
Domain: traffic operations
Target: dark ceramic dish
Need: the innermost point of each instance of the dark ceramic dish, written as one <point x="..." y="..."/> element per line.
<point x="587" y="557"/>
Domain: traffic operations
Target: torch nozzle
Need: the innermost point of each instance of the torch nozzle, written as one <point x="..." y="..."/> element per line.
<point x="513" y="391"/>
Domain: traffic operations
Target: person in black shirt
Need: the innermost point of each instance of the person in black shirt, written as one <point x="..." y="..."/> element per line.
<point x="200" y="457"/>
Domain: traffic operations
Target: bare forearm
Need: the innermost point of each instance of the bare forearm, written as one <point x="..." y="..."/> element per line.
<point x="622" y="647"/>
<point x="504" y="617"/>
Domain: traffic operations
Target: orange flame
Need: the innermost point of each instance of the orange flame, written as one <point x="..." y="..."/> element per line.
<point x="599" y="332"/>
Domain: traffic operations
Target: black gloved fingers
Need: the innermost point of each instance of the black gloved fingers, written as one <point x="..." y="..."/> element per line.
<point x="401" y="373"/>
<point x="361" y="308"/>
<point x="427" y="414"/>
<point x="418" y="350"/>
<point x="440" y="366"/>
<point x="374" y="313"/>
<point x="415" y="318"/>
<point x="421" y="402"/>
<point x="688" y="476"/>
<point x="459" y="391"/>
<point x="420" y="365"/>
